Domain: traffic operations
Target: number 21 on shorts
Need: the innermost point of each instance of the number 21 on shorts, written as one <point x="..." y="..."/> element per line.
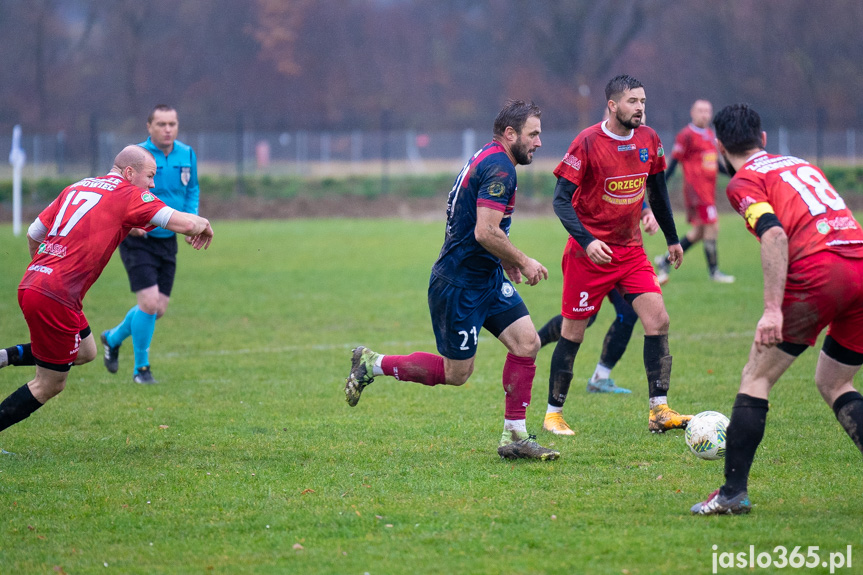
<point x="466" y="338"/>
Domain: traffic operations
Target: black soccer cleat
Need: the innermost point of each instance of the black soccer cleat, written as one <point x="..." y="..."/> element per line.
<point x="144" y="375"/>
<point x="112" y="355"/>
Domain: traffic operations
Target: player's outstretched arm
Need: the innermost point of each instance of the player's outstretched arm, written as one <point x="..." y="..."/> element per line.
<point x="196" y="227"/>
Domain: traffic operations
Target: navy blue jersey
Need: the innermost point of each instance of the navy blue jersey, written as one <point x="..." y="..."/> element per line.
<point x="487" y="180"/>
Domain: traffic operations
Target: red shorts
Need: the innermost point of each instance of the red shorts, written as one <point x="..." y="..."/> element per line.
<point x="824" y="289"/>
<point x="585" y="283"/>
<point x="701" y="214"/>
<point x="55" y="330"/>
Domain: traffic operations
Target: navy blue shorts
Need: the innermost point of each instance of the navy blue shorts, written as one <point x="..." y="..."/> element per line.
<point x="150" y="261"/>
<point x="458" y="314"/>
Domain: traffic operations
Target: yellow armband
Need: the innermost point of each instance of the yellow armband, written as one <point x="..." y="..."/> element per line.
<point x="755" y="211"/>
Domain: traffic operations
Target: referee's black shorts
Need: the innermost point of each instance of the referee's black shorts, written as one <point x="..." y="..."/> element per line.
<point x="150" y="261"/>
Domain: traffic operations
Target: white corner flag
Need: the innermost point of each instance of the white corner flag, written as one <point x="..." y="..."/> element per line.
<point x="17" y="158"/>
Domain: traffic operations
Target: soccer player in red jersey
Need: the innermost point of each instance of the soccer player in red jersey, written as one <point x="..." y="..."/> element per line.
<point x="695" y="149"/>
<point x="812" y="262"/>
<point x="71" y="242"/>
<point x="601" y="185"/>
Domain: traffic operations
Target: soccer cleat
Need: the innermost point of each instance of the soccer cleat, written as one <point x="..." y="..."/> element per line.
<point x="520" y="445"/>
<point x="112" y="355"/>
<point x="361" y="375"/>
<point x="144" y="375"/>
<point x="721" y="278"/>
<point x="554" y="423"/>
<point x="662" y="269"/>
<point x="718" y="504"/>
<point x="662" y="418"/>
<point x="4" y="452"/>
<point x="605" y="386"/>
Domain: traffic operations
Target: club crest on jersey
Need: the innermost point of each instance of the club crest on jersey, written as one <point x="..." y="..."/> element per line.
<point x="185" y="175"/>
<point x="147" y="197"/>
<point x="506" y="289"/>
<point x="642" y="154"/>
<point x="624" y="190"/>
<point x="496" y="189"/>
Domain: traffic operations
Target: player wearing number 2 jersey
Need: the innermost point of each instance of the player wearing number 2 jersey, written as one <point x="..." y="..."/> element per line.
<point x="812" y="261"/>
<point x="602" y="182"/>
<point x="71" y="242"/>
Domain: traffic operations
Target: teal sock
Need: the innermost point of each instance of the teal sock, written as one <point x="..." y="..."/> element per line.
<point x="143" y="326"/>
<point x="123" y="330"/>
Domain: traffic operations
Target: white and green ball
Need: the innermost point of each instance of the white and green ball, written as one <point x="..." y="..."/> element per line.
<point x="705" y="434"/>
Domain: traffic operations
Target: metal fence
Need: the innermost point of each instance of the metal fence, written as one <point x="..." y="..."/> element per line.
<point x="341" y="154"/>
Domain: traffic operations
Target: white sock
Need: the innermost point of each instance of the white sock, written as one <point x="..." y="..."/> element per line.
<point x="4" y="358"/>
<point x="601" y="372"/>
<point x="514" y="425"/>
<point x="377" y="369"/>
<point x="553" y="409"/>
<point x="654" y="401"/>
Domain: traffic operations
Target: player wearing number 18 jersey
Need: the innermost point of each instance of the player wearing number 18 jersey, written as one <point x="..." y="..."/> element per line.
<point x="70" y="243"/>
<point x="812" y="261"/>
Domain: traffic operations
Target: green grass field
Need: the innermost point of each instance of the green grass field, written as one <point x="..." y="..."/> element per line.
<point x="246" y="459"/>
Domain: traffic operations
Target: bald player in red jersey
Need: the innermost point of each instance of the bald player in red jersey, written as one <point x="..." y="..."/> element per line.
<point x="71" y="242"/>
<point x="695" y="149"/>
<point x="812" y="261"/>
<point x="601" y="185"/>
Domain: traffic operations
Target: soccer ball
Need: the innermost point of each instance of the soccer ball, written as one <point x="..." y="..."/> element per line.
<point x="705" y="434"/>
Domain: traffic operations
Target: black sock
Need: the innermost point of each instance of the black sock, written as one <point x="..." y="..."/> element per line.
<point x="848" y="408"/>
<point x="711" y="255"/>
<point x="748" y="418"/>
<point x="20" y="355"/>
<point x="550" y="332"/>
<point x="616" y="340"/>
<point x="561" y="371"/>
<point x="685" y="244"/>
<point x="17" y="407"/>
<point x="657" y="364"/>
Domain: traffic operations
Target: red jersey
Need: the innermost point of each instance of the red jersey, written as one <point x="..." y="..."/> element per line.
<point x="695" y="149"/>
<point x="610" y="172"/>
<point x="813" y="215"/>
<point x="86" y="223"/>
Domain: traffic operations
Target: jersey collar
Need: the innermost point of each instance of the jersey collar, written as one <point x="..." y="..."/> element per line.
<point x="614" y="136"/>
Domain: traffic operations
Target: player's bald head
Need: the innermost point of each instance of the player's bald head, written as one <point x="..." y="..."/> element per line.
<point x="134" y="157"/>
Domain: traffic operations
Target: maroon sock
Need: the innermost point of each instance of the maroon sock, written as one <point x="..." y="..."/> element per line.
<point x="518" y="375"/>
<point x="421" y="367"/>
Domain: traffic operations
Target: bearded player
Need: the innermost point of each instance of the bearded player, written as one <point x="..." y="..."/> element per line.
<point x="601" y="184"/>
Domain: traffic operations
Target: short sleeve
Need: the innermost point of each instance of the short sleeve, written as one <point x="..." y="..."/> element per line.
<point x="496" y="187"/>
<point x="659" y="164"/>
<point x="743" y="193"/>
<point x="574" y="162"/>
<point x="143" y="206"/>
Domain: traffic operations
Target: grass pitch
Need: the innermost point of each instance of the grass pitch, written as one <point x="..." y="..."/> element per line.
<point x="246" y="459"/>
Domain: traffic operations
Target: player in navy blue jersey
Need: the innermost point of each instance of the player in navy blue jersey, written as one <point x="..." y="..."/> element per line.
<point x="469" y="290"/>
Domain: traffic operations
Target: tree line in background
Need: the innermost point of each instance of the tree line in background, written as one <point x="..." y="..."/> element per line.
<point x="424" y="64"/>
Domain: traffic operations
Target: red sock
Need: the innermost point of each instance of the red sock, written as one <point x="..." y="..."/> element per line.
<point x="518" y="375"/>
<point x="421" y="367"/>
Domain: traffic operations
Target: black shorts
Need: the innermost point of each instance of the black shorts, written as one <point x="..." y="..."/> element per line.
<point x="150" y="261"/>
